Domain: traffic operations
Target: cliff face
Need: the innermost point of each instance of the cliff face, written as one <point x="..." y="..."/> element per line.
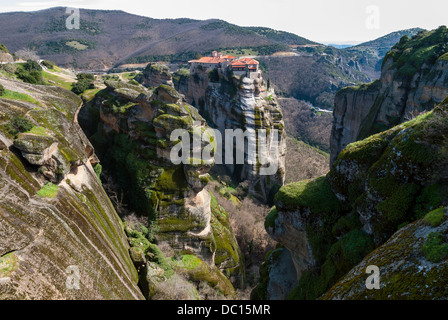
<point x="156" y="74"/>
<point x="231" y="102"/>
<point x="412" y="265"/>
<point x="55" y="218"/>
<point x="133" y="141"/>
<point x="414" y="78"/>
<point x="375" y="187"/>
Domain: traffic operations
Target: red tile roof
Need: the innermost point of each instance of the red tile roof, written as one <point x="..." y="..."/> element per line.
<point x="209" y="60"/>
<point x="241" y="63"/>
<point x="249" y="61"/>
<point x="238" y="64"/>
<point x="214" y="60"/>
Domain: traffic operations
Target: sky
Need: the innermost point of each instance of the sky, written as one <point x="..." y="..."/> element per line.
<point x="324" y="21"/>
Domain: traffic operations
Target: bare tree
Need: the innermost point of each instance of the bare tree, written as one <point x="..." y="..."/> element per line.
<point x="412" y="114"/>
<point x="27" y="54"/>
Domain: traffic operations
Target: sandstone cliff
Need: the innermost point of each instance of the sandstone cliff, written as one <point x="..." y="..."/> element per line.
<point x="414" y="78"/>
<point x="133" y="142"/>
<point x="412" y="265"/>
<point x="376" y="186"/>
<point x="233" y="102"/>
<point x="55" y="218"/>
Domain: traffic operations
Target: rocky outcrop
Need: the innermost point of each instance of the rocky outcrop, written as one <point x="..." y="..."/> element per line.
<point x="156" y="74"/>
<point x="414" y="79"/>
<point x="278" y="276"/>
<point x="192" y="86"/>
<point x="412" y="265"/>
<point x="51" y="233"/>
<point x="352" y="105"/>
<point x="134" y="141"/>
<point x="236" y="102"/>
<point x="375" y="187"/>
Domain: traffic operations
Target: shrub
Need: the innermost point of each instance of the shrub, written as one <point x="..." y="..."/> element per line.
<point x="31" y="66"/>
<point x="30" y="72"/>
<point x="87" y="76"/>
<point x="48" y="64"/>
<point x="435" y="218"/>
<point x="2" y="90"/>
<point x="3" y="48"/>
<point x="81" y="86"/>
<point x="33" y="77"/>
<point x="18" y="124"/>
<point x="98" y="170"/>
<point x="435" y="248"/>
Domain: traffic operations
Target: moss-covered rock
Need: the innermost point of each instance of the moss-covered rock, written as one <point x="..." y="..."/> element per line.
<point x="228" y="256"/>
<point x="278" y="276"/>
<point x="52" y="230"/>
<point x="137" y="147"/>
<point x="414" y="79"/>
<point x="412" y="266"/>
<point x="156" y="74"/>
<point x="233" y="102"/>
<point x="376" y="186"/>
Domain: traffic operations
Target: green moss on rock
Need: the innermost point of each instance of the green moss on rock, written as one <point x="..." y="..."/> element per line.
<point x="435" y="218"/>
<point x="435" y="248"/>
<point x="49" y="190"/>
<point x="315" y="195"/>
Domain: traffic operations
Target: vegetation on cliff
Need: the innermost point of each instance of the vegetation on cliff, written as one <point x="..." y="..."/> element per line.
<point x="412" y="264"/>
<point x="52" y="204"/>
<point x="132" y="139"/>
<point x="409" y="54"/>
<point x="376" y="186"/>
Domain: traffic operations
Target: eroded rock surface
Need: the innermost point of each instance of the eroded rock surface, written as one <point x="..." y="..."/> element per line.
<point x="50" y="232"/>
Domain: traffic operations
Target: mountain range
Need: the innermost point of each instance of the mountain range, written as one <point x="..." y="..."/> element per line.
<point x="107" y="38"/>
<point x="298" y="68"/>
<point x="110" y="38"/>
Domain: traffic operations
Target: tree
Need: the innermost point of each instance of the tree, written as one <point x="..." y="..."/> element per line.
<point x="31" y="66"/>
<point x="30" y="72"/>
<point x="81" y="86"/>
<point x="2" y="90"/>
<point x="86" y="76"/>
<point x="27" y="54"/>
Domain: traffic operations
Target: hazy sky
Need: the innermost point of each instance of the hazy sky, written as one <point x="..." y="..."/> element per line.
<point x="326" y="21"/>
